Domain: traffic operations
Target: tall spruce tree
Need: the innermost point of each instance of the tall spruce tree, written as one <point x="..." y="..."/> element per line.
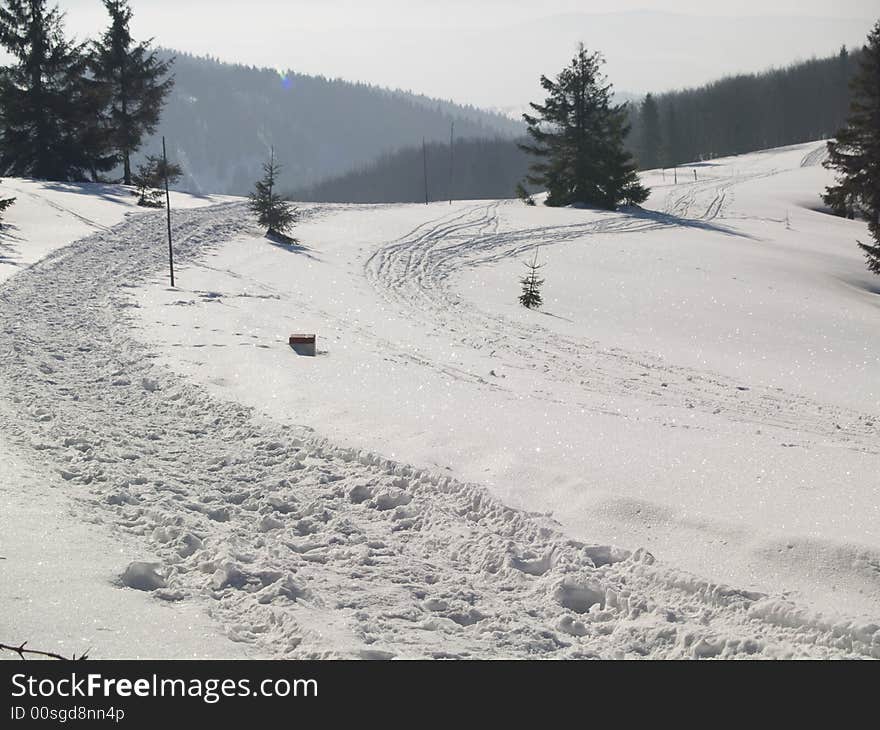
<point x="855" y="154"/>
<point x="42" y="97"/>
<point x="137" y="83"/>
<point x="93" y="127"/>
<point x="650" y="139"/>
<point x="842" y="74"/>
<point x="271" y="209"/>
<point x="578" y="140"/>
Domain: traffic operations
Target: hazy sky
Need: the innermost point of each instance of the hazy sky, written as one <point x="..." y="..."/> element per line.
<point x="491" y="52"/>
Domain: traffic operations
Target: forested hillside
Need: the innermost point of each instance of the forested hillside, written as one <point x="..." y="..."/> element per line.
<point x="805" y="101"/>
<point x="221" y="120"/>
<point x="480" y="168"/>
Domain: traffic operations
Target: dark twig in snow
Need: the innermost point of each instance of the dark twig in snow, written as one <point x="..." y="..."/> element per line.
<point x="22" y="651"/>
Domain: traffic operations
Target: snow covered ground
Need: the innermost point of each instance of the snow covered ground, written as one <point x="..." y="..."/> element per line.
<point x="451" y="475"/>
<point x="59" y="567"/>
<point x="48" y="215"/>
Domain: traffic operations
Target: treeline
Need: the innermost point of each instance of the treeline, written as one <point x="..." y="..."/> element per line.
<point x="75" y="111"/>
<point x="803" y="102"/>
<point x="221" y="120"/>
<point x="91" y="110"/>
<point x="480" y="168"/>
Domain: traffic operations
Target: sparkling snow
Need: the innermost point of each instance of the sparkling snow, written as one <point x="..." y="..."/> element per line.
<point x="452" y="475"/>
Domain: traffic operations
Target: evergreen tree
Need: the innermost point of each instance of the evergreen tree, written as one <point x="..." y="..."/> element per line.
<point x="272" y="210"/>
<point x="42" y="97"/>
<point x="855" y="154"/>
<point x="143" y="179"/>
<point x="149" y="180"/>
<point x="650" y="140"/>
<point x="136" y="83"/>
<point x="524" y="194"/>
<point x="531" y="285"/>
<point x="93" y="128"/>
<point x="842" y="73"/>
<point x="578" y="139"/>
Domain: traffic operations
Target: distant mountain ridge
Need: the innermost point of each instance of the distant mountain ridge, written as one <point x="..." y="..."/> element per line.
<point x="222" y="119"/>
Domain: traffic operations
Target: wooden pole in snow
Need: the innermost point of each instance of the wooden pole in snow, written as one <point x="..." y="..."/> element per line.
<point x="425" y="167"/>
<point x="451" y="157"/>
<point x="168" y="211"/>
<point x="271" y="165"/>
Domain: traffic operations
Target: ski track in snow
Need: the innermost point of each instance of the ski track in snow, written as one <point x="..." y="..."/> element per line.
<point x="815" y="157"/>
<point x="305" y="550"/>
<point x="65" y="211"/>
<point x="415" y="273"/>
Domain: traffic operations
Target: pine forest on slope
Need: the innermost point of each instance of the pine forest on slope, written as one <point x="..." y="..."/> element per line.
<point x="803" y="102"/>
<point x="221" y="120"/>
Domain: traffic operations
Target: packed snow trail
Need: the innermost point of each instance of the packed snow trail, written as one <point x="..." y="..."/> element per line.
<point x="416" y="273"/>
<point x="302" y="549"/>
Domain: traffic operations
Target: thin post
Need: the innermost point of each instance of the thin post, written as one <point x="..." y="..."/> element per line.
<point x="451" y="157"/>
<point x="168" y="211"/>
<point x="272" y="167"/>
<point x="425" y="167"/>
<point x="675" y="175"/>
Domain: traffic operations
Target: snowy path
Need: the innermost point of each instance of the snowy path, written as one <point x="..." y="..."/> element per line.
<point x="57" y="567"/>
<point x="302" y="549"/>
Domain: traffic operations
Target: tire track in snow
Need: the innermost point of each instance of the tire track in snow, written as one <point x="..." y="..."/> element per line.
<point x="414" y="272"/>
<point x="305" y="550"/>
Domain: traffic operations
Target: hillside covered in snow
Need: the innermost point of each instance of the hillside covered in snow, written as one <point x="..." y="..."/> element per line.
<point x="673" y="458"/>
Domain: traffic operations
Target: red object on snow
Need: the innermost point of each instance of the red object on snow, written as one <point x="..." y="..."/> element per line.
<point x="302" y="339"/>
<point x="303" y="344"/>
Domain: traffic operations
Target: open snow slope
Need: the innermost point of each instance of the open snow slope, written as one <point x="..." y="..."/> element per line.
<point x="701" y="382"/>
<point x="176" y="418"/>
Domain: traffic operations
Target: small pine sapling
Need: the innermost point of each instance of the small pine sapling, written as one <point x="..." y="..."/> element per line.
<point x="531" y="285"/>
<point x="524" y="194"/>
<point x="149" y="180"/>
<point x="271" y="209"/>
